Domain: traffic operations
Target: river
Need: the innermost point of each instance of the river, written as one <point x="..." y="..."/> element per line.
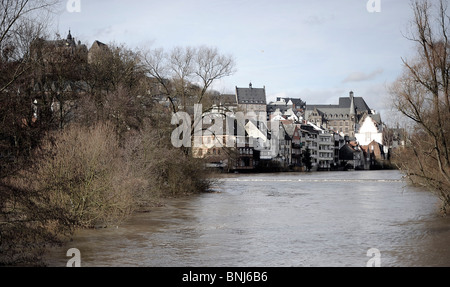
<point x="283" y="219"/>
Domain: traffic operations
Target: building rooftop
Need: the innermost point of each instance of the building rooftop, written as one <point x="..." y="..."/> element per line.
<point x="251" y="95"/>
<point x="344" y="106"/>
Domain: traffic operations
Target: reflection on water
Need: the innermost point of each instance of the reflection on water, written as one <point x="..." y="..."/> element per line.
<point x="287" y="219"/>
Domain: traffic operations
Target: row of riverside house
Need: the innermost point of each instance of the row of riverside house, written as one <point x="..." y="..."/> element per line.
<point x="348" y="135"/>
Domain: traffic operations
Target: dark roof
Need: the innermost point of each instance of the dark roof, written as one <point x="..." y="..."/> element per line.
<point x="346" y="152"/>
<point x="360" y="105"/>
<point x="308" y="128"/>
<point x="334" y="113"/>
<point x="272" y="108"/>
<point x="251" y="95"/>
<point x="227" y="99"/>
<point x="376" y="118"/>
<point x="298" y="103"/>
<point x="344" y="105"/>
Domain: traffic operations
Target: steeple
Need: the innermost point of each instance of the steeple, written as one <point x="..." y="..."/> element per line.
<point x="352" y="104"/>
<point x="70" y="41"/>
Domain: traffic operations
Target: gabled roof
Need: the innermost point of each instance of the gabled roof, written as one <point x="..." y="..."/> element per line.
<point x="290" y="129"/>
<point x="251" y="95"/>
<point x="99" y="44"/>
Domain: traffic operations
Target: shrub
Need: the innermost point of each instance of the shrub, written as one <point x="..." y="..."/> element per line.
<point x="84" y="174"/>
<point x="162" y="169"/>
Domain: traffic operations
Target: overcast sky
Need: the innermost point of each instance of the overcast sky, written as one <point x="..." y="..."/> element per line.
<point x="316" y="50"/>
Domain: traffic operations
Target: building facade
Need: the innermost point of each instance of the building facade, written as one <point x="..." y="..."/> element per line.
<point x="369" y="130"/>
<point x="342" y="118"/>
<point x="251" y="99"/>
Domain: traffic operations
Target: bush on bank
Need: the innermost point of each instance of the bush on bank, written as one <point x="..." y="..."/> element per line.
<point x="82" y="177"/>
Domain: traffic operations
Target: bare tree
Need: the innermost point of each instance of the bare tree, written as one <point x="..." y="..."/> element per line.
<point x="422" y="95"/>
<point x="21" y="22"/>
<point x="212" y="66"/>
<point x="187" y="73"/>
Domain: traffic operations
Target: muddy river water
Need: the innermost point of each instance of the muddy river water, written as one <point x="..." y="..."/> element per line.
<point x="284" y="219"/>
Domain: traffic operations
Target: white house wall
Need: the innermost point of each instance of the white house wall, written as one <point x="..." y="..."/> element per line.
<point x="368" y="132"/>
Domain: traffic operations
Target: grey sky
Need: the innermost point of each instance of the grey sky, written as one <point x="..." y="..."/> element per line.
<point x="316" y="50"/>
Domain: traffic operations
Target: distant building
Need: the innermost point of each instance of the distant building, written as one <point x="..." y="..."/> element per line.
<point x="59" y="79"/>
<point x="325" y="151"/>
<point x="56" y="51"/>
<point x="97" y="47"/>
<point x="309" y="140"/>
<point x="374" y="155"/>
<point x="294" y="132"/>
<point x="224" y="102"/>
<point x="394" y="137"/>
<point x="251" y="99"/>
<point x="351" y="156"/>
<point x="291" y="107"/>
<point x="341" y="118"/>
<point x="370" y="129"/>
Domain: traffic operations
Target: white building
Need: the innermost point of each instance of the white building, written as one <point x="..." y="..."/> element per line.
<point x="371" y="129"/>
<point x="326" y="150"/>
